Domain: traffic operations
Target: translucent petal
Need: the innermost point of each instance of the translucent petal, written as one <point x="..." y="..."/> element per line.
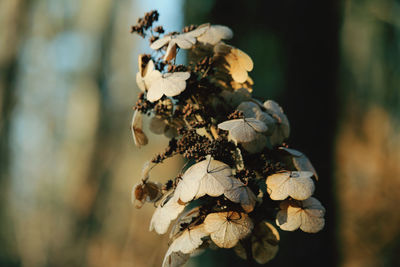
<point x="298" y="185"/>
<point x="139" y="137"/>
<point x="189" y="240"/>
<point x="214" y="34"/>
<point x="240" y="193"/>
<point x="209" y="177"/>
<point x="164" y="214"/>
<point x="184" y="218"/>
<point x="243" y="130"/>
<point x="170" y="84"/>
<point x="308" y="215"/>
<point x="227" y="228"/>
<point x="289" y="217"/>
<point x="160" y="42"/>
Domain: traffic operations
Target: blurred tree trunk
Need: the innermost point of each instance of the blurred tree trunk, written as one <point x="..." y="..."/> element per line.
<point x="294" y="46"/>
<point x="368" y="142"/>
<point x="13" y="17"/>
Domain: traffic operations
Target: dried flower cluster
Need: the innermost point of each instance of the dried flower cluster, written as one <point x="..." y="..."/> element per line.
<point x="242" y="178"/>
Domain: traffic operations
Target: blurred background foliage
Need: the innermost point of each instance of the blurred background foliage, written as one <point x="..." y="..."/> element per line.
<point x="67" y="161"/>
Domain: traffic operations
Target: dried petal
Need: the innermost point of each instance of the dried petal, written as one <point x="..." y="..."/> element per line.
<point x="227" y="228"/>
<point x="239" y="63"/>
<point x="189" y="240"/>
<point x="282" y="131"/>
<point x="167" y="211"/>
<point x="298" y="185"/>
<point x="240" y="193"/>
<point x="208" y="177"/>
<point x="265" y="239"/>
<point x="243" y="130"/>
<point x="308" y="215"/>
<point x="142" y="79"/>
<point x="146" y="191"/>
<point x="175" y="259"/>
<point x="214" y="34"/>
<point x="169" y="84"/>
<point x="300" y="161"/>
<point x="139" y="137"/>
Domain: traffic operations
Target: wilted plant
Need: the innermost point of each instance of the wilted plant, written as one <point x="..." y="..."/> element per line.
<point x="243" y="178"/>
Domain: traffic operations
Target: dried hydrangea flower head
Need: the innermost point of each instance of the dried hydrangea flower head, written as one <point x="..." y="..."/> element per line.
<point x="240" y="178"/>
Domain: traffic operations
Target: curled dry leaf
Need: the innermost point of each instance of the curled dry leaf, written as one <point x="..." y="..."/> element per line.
<point x="214" y="34"/>
<point x="146" y="191"/>
<point x="243" y="130"/>
<point x="167" y="211"/>
<point x="238" y="62"/>
<point x="208" y="177"/>
<point x="142" y="76"/>
<point x="264" y="243"/>
<point x="227" y="228"/>
<point x="139" y="137"/>
<point x="300" y="161"/>
<point x="169" y="84"/>
<point x="308" y="215"/>
<point x="297" y="185"/>
<point x="240" y="193"/>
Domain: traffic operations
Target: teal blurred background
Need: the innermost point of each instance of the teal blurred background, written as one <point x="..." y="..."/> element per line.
<point x="67" y="161"/>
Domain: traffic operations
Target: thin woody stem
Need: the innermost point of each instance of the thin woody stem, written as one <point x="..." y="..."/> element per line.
<point x="246" y="243"/>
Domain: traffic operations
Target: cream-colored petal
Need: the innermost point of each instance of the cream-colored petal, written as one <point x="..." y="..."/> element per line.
<point x="298" y="185"/>
<point x="209" y="177"/>
<point x="214" y="34"/>
<point x="164" y="214"/>
<point x="308" y="215"/>
<point x="240" y="193"/>
<point x="243" y="130"/>
<point x="277" y="185"/>
<point x="216" y="179"/>
<point x="227" y="228"/>
<point x="312" y="217"/>
<point x="289" y="218"/>
<point x="160" y="42"/>
<point x="189" y="240"/>
<point x="302" y="186"/>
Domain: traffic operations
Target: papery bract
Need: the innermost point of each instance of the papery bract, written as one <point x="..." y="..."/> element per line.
<point x="308" y="215"/>
<point x="298" y="185"/>
<point x="227" y="228"/>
